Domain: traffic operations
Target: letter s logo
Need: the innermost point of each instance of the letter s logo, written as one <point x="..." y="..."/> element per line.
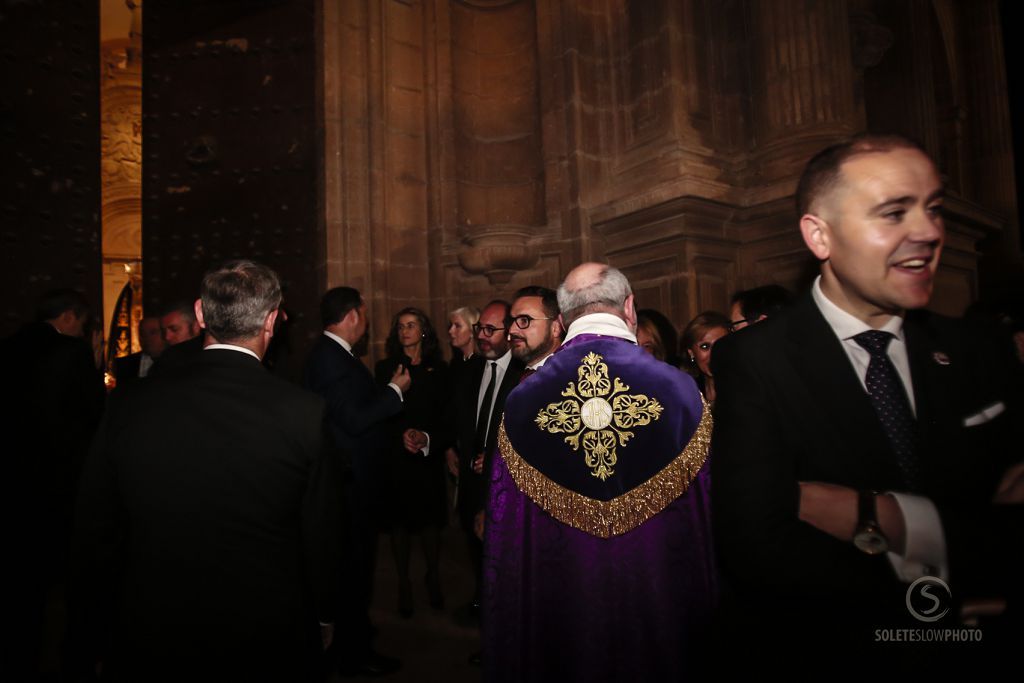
<point x="923" y="588"/>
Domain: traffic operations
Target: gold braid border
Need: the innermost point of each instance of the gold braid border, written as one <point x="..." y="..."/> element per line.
<point x="618" y="515"/>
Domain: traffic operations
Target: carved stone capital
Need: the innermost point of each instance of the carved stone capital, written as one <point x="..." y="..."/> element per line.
<point x="499" y="253"/>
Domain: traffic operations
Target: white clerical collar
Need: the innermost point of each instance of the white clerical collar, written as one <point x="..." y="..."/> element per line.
<point x="845" y="325"/>
<point x="604" y="324"/>
<point x="231" y="347"/>
<point x="344" y="344"/>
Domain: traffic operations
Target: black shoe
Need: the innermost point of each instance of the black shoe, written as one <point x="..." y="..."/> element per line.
<point x="476" y="658"/>
<point x="372" y="665"/>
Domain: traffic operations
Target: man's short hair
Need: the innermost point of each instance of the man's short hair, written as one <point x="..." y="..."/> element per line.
<point x="336" y="304"/>
<point x="548" y="298"/>
<point x="823" y="171"/>
<point x="608" y="293"/>
<point x="55" y="301"/>
<point x="237" y="297"/>
<point x="187" y="310"/>
<point x="498" y="302"/>
<point x="766" y="300"/>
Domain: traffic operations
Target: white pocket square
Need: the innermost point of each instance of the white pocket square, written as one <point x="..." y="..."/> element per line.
<point x="985" y="414"/>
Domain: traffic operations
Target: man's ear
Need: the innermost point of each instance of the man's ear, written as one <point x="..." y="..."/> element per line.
<point x="351" y="318"/>
<point x="198" y="306"/>
<point x="557" y="330"/>
<point x="630" y="309"/>
<point x="817" y="235"/>
<point x="268" y="324"/>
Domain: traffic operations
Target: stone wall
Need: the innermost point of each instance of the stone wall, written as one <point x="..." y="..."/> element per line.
<point x="475" y="146"/>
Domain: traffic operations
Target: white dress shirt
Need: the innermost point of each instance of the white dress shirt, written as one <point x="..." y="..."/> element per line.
<point x="145" y="364"/>
<point x="925" y="552"/>
<point x="500" y="367"/>
<point x="231" y="347"/>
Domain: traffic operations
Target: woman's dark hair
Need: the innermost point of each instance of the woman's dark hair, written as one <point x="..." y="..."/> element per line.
<point x="430" y="352"/>
<point x="663" y="331"/>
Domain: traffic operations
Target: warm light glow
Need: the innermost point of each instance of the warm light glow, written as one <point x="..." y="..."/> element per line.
<point x="109" y="381"/>
<point x="128" y="268"/>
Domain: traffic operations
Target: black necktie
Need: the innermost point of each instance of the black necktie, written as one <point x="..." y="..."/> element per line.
<point x="889" y="399"/>
<point x="484" y="416"/>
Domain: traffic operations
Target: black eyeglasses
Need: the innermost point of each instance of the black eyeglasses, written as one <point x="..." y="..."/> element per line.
<point x="489" y="330"/>
<point x="523" y="321"/>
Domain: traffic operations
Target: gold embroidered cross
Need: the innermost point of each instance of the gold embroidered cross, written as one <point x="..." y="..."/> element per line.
<point x="599" y="412"/>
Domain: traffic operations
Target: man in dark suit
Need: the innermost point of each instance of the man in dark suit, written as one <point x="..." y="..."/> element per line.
<point x="53" y="401"/>
<point x="479" y="403"/>
<point x="216" y="560"/>
<point x="133" y="367"/>
<point x="357" y="409"/>
<point x="855" y="444"/>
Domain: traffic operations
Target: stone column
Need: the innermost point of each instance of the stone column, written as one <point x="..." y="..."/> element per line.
<point x="991" y="133"/>
<point x="499" y="168"/>
<point x="802" y="87"/>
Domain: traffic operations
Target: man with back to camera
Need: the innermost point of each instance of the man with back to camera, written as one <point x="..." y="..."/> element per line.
<point x="857" y="438"/>
<point x="598" y="562"/>
<point x="54" y="399"/>
<point x="216" y="561"/>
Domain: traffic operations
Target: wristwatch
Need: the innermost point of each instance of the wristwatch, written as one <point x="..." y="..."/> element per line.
<point x="868" y="536"/>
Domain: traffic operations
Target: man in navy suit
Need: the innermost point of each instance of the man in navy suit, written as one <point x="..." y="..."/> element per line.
<point x="357" y="408"/>
<point x="856" y="444"/>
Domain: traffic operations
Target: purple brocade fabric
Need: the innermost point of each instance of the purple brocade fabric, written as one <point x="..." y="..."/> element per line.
<point x="560" y="604"/>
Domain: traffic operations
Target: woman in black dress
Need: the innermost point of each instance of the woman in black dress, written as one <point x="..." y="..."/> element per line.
<point x="415" y="484"/>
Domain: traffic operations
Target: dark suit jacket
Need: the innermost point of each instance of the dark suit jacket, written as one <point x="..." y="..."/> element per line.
<point x="357" y="407"/>
<point x="53" y="401"/>
<point x="208" y="510"/>
<point x="126" y="368"/>
<point x="791" y="408"/>
<point x="472" y="486"/>
<point x="178" y="355"/>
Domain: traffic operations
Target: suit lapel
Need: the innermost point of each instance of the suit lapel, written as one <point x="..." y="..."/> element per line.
<point x="931" y="379"/>
<point x="823" y="366"/>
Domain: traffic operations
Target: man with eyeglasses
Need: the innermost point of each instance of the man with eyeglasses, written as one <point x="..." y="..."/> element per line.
<point x="480" y="402"/>
<point x="535" y="330"/>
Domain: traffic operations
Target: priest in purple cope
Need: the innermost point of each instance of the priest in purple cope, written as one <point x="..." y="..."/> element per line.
<point x="598" y="559"/>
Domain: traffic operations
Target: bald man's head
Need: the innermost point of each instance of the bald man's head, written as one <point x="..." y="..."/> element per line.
<point x="596" y="288"/>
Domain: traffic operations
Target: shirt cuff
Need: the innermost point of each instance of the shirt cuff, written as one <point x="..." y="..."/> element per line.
<point x="397" y="391"/>
<point x="925" y="549"/>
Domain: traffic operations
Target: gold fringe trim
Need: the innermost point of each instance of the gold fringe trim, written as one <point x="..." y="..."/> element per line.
<point x="618" y="515"/>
